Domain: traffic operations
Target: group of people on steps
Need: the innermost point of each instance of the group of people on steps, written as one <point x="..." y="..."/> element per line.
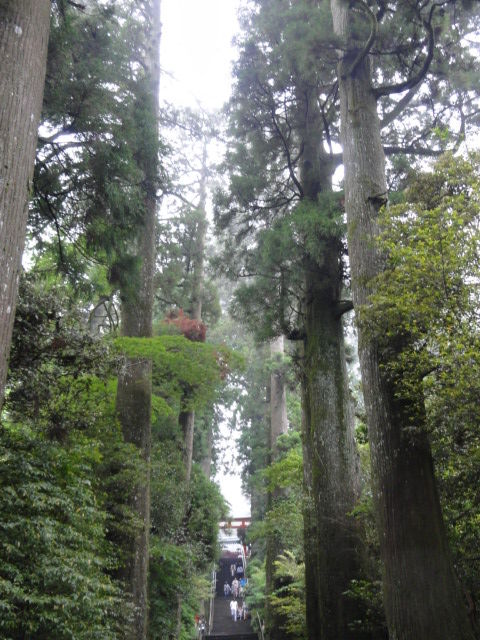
<point x="236" y="589"/>
<point x="238" y="610"/>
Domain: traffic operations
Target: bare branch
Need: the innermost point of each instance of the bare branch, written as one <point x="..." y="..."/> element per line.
<point x="398" y="108"/>
<point x="412" y="151"/>
<point x="77" y="5"/>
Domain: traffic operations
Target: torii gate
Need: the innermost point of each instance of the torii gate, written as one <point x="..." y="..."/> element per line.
<point x="232" y="523"/>
<point x="236" y="523"/>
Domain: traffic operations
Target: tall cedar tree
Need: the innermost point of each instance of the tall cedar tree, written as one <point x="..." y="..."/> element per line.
<point x="88" y="185"/>
<point x="24" y="29"/>
<point x="421" y="595"/>
<point x="187" y="418"/>
<point x="181" y="277"/>
<point x="134" y="383"/>
<point x="280" y="178"/>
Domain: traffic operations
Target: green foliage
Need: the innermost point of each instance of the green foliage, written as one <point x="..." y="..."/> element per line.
<point x="369" y="596"/>
<point x="255" y="592"/>
<point x="289" y="599"/>
<point x="207" y="508"/>
<point x="425" y="313"/>
<point x="282" y="523"/>
<point x="58" y="370"/>
<point x="276" y="226"/>
<point x="60" y="419"/>
<point x="89" y="182"/>
<point x="54" y="556"/>
<point x="425" y="302"/>
<point x="167" y="581"/>
<point x="184" y="372"/>
<point x="177" y="262"/>
<point x="270" y="302"/>
<point x="184" y="544"/>
<point x="287" y="472"/>
<point x="249" y="418"/>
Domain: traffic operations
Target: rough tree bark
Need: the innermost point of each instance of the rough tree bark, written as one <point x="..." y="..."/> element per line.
<point x="24" y="29"/>
<point x="206" y="462"/>
<point x="186" y="421"/>
<point x="134" y="382"/>
<point x="199" y="257"/>
<point x="333" y="545"/>
<point x="274" y="623"/>
<point x="187" y="418"/>
<point x="421" y="595"/>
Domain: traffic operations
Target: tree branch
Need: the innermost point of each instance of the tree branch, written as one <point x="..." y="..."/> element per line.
<point x="415" y="80"/>
<point x="413" y="151"/>
<point x="282" y="139"/>
<point x="287" y="152"/>
<point x="77" y="5"/>
<point x="294" y="334"/>
<point x="343" y="306"/>
<point x="368" y="45"/>
<point x="398" y="108"/>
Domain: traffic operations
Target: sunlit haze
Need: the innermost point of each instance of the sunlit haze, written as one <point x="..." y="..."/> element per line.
<point x="195" y="57"/>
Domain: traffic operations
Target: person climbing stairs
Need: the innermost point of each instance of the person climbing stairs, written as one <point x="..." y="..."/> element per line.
<point x="225" y="628"/>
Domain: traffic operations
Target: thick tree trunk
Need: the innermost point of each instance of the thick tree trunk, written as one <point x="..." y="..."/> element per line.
<point x="274" y="623"/>
<point x="333" y="543"/>
<point x="24" y="29"/>
<point x="199" y="257"/>
<point x="206" y="463"/>
<point x="133" y="410"/>
<point x="333" y="546"/>
<point x="278" y="398"/>
<point x="186" y="420"/>
<point x="134" y="382"/>
<point x="421" y="595"/>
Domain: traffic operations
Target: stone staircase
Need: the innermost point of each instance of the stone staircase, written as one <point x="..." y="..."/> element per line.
<point x="224" y="628"/>
<point x="231" y="636"/>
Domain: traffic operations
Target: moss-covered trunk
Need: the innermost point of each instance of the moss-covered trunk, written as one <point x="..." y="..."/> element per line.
<point x="133" y="410"/>
<point x="134" y="382"/>
<point x="186" y="421"/>
<point x="274" y="622"/>
<point x="24" y="29"/>
<point x="333" y="545"/>
<point x="421" y="595"/>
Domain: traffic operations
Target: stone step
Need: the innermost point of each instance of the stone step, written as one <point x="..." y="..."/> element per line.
<point x="231" y="636"/>
<point x="223" y="625"/>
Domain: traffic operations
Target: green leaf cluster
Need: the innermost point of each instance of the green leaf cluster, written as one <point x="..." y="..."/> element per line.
<point x="88" y="198"/>
<point x="185" y="373"/>
<point x="183" y="541"/>
<point x="289" y="599"/>
<point x="424" y="313"/>
<point x="54" y="556"/>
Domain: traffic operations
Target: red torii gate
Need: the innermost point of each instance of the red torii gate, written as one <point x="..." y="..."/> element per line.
<point x="236" y="523"/>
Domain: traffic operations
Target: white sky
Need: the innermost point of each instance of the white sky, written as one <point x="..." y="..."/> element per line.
<point x="196" y="50"/>
<point x="196" y="57"/>
<point x="230" y="483"/>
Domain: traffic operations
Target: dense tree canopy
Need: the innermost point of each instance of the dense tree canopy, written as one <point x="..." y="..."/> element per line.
<point x="146" y="339"/>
